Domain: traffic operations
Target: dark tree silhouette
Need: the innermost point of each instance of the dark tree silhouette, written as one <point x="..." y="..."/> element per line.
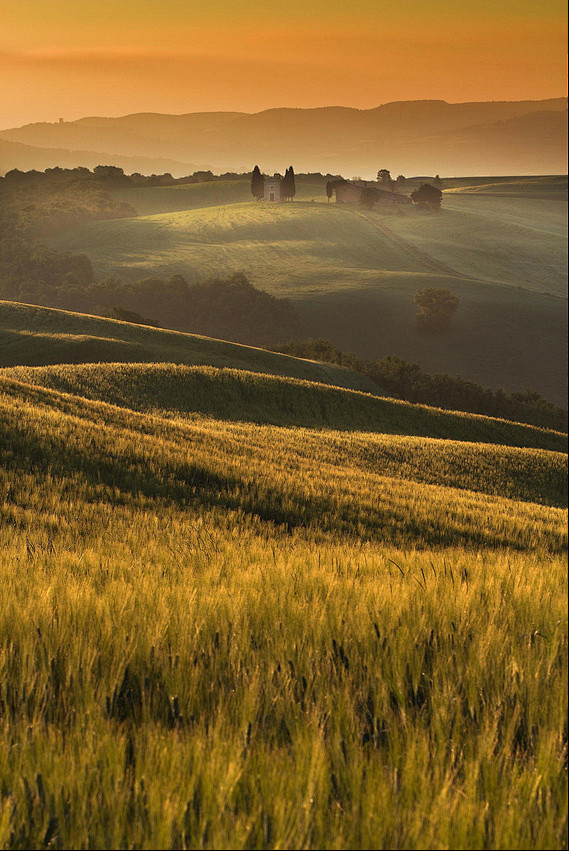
<point x="401" y="179"/>
<point x="385" y="179"/>
<point x="288" y="186"/>
<point x="437" y="307"/>
<point x="427" y="197"/>
<point x="329" y="190"/>
<point x="257" y="184"/>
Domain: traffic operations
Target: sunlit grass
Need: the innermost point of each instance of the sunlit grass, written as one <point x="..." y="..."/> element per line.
<point x="227" y="634"/>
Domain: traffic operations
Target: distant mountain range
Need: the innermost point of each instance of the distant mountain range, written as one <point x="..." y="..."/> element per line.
<point x="409" y="137"/>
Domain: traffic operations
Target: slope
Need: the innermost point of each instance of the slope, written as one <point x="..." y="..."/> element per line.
<point x="353" y="275"/>
<point x="238" y="395"/>
<point x="40" y="335"/>
<point x="402" y="491"/>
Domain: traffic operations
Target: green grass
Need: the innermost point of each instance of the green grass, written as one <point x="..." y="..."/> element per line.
<point x="148" y="201"/>
<point x="353" y="275"/>
<point x="242" y="396"/>
<point x="36" y="336"/>
<point x="224" y="634"/>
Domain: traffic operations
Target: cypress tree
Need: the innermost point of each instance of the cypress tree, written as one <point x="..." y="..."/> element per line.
<point x="257" y="184"/>
<point x="291" y="184"/>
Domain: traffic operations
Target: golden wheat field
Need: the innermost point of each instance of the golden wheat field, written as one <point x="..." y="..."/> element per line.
<point x="223" y="628"/>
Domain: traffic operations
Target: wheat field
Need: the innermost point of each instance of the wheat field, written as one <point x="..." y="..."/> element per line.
<point x="222" y="631"/>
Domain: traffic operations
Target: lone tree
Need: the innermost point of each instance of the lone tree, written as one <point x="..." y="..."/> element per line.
<point x="384" y="177"/>
<point x="329" y="190"/>
<point x="257" y="184"/>
<point x="427" y="197"/>
<point x="437" y="307"/>
<point x="401" y="179"/>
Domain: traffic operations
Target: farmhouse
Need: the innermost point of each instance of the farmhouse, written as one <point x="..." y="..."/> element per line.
<point x="272" y="188"/>
<point x="350" y="192"/>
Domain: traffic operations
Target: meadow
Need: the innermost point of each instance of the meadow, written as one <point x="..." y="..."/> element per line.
<point x="228" y="634"/>
<point x="500" y="247"/>
<point x="35" y="336"/>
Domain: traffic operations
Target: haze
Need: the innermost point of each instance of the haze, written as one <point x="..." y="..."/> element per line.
<point x="65" y="59"/>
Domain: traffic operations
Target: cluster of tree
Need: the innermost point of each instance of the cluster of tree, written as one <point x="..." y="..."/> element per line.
<point x="427" y="197"/>
<point x="385" y="180"/>
<point x="437" y="307"/>
<point x="401" y="379"/>
<point x="288" y="186"/>
<point x="108" y="176"/>
<point x="230" y="308"/>
<point x="33" y="273"/>
<point x="36" y="210"/>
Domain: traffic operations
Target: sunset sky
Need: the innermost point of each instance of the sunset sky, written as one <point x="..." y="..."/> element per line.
<point x="64" y="58"/>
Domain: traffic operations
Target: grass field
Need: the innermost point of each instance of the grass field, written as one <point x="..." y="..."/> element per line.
<point x="227" y="634"/>
<point x="500" y="247"/>
<point x="247" y="603"/>
<point x="35" y="336"/>
<point x="238" y="395"/>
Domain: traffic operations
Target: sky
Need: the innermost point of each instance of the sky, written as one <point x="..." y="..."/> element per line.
<point x="72" y="58"/>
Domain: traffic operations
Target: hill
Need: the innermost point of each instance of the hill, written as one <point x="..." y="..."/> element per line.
<point x="31" y="335"/>
<point x="27" y="157"/>
<point x="352" y="275"/>
<point x="246" y="467"/>
<point x="244" y="396"/>
<point x="276" y="628"/>
<point x="409" y="136"/>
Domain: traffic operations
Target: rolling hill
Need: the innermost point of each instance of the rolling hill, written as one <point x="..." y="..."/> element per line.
<point x="411" y="137"/>
<point x="353" y="274"/>
<point x="34" y="336"/>
<point x="26" y="157"/>
<point x="270" y="602"/>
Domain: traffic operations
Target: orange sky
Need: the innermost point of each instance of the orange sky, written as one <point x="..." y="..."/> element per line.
<point x="72" y="58"/>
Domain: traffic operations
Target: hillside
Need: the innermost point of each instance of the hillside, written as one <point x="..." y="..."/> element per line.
<point x="243" y="396"/>
<point x="410" y="136"/>
<point x="352" y="275"/>
<point x="31" y="335"/>
<point x="247" y="468"/>
<point x="237" y="593"/>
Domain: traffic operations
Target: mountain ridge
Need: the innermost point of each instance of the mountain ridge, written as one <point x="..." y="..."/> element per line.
<point x="340" y="139"/>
